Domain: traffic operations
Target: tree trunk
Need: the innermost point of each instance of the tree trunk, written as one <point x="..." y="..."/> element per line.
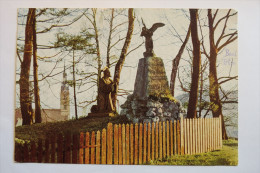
<point x="121" y="60"/>
<point x="109" y="37"/>
<point x="38" y="117"/>
<point x="74" y="87"/>
<point x="215" y="102"/>
<point x="25" y="99"/>
<point x="193" y="99"/>
<point x="98" y="49"/>
<point x="176" y="61"/>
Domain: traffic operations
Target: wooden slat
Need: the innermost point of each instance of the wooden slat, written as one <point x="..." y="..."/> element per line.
<point x="149" y="142"/>
<point x="26" y="153"/>
<point x="179" y="137"/>
<point x="188" y="135"/>
<point x="221" y="132"/>
<point x="203" y="135"/>
<point x="109" y="142"/>
<point x="68" y="148"/>
<point x="193" y="137"/>
<point x="168" y="138"/>
<point x="185" y="136"/>
<point x="75" y="148"/>
<point x="175" y="136"/>
<point x="98" y="148"/>
<point x="210" y="123"/>
<point x="171" y="136"/>
<point x="131" y="144"/>
<point x="115" y="144"/>
<point x="196" y="135"/>
<point x="160" y="140"/>
<point x="53" y="149"/>
<point x="104" y="146"/>
<point x="47" y="153"/>
<point x="140" y="143"/>
<point x="153" y="141"/>
<point x="213" y="133"/>
<point x="182" y="135"/>
<point x="120" y="151"/>
<point x="164" y="139"/>
<point x="156" y="140"/>
<point x="127" y="140"/>
<point x="206" y="134"/>
<point x="81" y="149"/>
<point x="33" y="152"/>
<point x="92" y="150"/>
<point x="123" y="144"/>
<point x="136" y="145"/>
<point x="217" y="133"/>
<point x="40" y="151"/>
<point x="60" y="149"/>
<point x="145" y="140"/>
<point x="87" y="148"/>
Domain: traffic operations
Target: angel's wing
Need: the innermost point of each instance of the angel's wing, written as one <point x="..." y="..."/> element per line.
<point x="155" y="26"/>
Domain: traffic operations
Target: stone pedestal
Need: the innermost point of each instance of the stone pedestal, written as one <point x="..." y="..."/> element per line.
<point x="151" y="100"/>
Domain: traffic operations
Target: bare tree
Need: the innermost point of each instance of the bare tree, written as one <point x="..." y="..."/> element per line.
<point x="25" y="100"/>
<point x="176" y="61"/>
<point x="193" y="99"/>
<point x="222" y="41"/>
<point x="123" y="54"/>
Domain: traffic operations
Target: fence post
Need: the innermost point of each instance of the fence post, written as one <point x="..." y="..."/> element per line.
<point x="160" y="140"/>
<point x="140" y="142"/>
<point x="145" y="139"/>
<point x="171" y="135"/>
<point x="149" y="142"/>
<point x="103" y="161"/>
<point x="179" y="137"/>
<point x="182" y="135"/>
<point x="152" y="142"/>
<point x="75" y="148"/>
<point x="60" y="149"/>
<point x="164" y="140"/>
<point x="115" y="144"/>
<point x="136" y="144"/>
<point x="98" y="148"/>
<point x="93" y="143"/>
<point x="156" y="141"/>
<point x="47" y="154"/>
<point x="26" y="152"/>
<point x="81" y="149"/>
<point x="33" y="152"/>
<point x="131" y="144"/>
<point x="87" y="148"/>
<point x="120" y="154"/>
<point x="175" y="136"/>
<point x="40" y="150"/>
<point x="68" y="148"/>
<point x="123" y="144"/>
<point x="53" y="148"/>
<point x="127" y="139"/>
<point x="109" y="143"/>
<point x="168" y="138"/>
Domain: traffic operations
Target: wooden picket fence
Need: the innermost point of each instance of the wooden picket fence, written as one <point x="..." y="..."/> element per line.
<point x="127" y="143"/>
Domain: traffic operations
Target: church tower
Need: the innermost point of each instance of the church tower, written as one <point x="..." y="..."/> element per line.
<point x="65" y="97"/>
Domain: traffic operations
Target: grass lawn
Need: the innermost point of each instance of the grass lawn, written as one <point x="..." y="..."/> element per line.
<point x="227" y="156"/>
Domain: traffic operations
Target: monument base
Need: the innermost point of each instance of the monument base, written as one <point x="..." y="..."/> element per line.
<point x="101" y="114"/>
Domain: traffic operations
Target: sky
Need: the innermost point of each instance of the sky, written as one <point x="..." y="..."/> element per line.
<point x="166" y="46"/>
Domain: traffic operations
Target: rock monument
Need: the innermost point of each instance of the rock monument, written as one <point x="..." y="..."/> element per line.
<point x="151" y="100"/>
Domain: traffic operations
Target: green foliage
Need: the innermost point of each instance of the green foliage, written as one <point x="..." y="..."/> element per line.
<point x="70" y="42"/>
<point x="228" y="155"/>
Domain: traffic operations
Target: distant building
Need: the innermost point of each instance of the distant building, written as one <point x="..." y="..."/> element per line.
<point x="52" y="115"/>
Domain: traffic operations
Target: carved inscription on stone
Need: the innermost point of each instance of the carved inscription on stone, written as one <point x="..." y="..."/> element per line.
<point x="157" y="80"/>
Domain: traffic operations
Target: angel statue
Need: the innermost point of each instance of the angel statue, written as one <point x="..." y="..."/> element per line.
<point x="148" y="33"/>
